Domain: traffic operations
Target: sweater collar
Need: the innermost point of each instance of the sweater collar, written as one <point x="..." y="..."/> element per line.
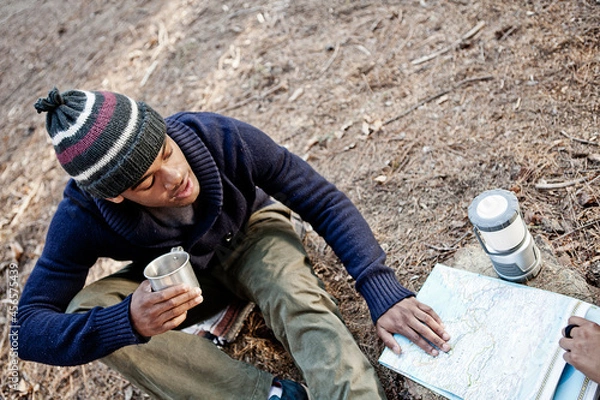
<point x="135" y="223"/>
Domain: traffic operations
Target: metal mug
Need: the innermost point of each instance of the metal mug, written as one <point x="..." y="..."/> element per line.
<point x="171" y="269"/>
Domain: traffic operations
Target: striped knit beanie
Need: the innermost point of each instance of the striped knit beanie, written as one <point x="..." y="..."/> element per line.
<point x="104" y="140"/>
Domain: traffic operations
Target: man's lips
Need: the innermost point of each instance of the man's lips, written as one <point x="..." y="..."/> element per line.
<point x="185" y="189"/>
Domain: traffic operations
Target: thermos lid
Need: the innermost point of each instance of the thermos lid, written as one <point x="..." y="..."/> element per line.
<point x="494" y="210"/>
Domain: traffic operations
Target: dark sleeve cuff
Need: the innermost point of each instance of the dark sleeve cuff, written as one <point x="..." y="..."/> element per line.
<point x="381" y="292"/>
<point x="115" y="328"/>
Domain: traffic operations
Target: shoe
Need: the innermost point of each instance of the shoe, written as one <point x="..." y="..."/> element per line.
<point x="291" y="390"/>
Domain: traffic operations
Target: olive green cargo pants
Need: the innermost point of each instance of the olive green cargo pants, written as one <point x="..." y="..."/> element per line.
<point x="269" y="267"/>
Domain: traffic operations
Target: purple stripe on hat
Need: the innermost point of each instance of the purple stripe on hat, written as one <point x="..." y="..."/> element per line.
<point x="103" y="118"/>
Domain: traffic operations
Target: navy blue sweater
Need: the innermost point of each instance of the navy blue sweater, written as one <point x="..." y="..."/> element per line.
<point x="231" y="160"/>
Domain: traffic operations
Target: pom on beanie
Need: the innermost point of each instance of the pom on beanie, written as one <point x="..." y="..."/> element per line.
<point x="104" y="140"/>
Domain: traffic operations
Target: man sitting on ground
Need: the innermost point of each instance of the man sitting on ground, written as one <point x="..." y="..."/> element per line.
<point x="142" y="185"/>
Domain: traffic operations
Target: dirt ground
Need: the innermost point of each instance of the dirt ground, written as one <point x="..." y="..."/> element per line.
<point x="412" y="108"/>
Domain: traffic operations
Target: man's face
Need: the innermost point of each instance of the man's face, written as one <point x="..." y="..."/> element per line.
<point x="169" y="182"/>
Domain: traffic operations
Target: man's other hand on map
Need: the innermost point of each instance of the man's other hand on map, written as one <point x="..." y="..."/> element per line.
<point x="415" y="321"/>
<point x="581" y="341"/>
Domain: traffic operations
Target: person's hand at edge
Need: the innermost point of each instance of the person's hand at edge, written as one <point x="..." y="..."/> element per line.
<point x="582" y="348"/>
<point x="153" y="313"/>
<point x="417" y="322"/>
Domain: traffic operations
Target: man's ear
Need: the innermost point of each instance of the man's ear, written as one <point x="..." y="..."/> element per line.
<point x="116" y="200"/>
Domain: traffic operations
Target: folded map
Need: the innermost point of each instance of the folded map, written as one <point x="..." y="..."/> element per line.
<point x="504" y="341"/>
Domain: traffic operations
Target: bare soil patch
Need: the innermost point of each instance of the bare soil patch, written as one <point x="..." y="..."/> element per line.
<point x="411" y="107"/>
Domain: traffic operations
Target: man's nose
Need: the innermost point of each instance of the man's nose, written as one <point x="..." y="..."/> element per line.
<point x="172" y="177"/>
